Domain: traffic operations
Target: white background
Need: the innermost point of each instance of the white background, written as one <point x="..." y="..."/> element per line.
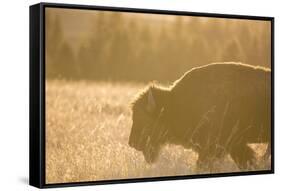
<point x="14" y="91"/>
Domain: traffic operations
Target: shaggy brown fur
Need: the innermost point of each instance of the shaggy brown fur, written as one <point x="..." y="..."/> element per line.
<point x="215" y="109"/>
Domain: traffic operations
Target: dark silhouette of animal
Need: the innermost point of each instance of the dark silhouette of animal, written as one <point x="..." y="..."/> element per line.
<point x="216" y="109"/>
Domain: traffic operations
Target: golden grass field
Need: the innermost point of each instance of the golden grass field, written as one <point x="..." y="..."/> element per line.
<point x="87" y="130"/>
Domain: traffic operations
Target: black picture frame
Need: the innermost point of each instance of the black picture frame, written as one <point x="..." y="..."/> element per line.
<point x="37" y="94"/>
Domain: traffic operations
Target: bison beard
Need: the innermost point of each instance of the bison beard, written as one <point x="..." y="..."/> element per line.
<point x="215" y="110"/>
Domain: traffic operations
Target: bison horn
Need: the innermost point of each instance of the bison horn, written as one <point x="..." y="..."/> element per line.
<point x="151" y="102"/>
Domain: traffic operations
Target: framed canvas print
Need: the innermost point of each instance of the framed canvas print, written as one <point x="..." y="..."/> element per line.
<point x="127" y="95"/>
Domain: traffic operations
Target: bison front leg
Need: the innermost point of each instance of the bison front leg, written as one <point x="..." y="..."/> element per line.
<point x="243" y="156"/>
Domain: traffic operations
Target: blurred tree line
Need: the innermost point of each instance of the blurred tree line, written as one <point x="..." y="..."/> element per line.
<point x="141" y="50"/>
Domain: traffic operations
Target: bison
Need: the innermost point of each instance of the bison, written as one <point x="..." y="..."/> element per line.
<point x="216" y="109"/>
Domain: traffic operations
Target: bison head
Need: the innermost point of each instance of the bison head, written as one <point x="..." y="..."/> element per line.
<point x="146" y="126"/>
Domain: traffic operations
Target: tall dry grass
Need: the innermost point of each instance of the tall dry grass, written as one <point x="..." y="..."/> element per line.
<point x="87" y="130"/>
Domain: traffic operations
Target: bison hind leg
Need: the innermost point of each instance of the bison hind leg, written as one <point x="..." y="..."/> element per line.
<point x="204" y="162"/>
<point x="267" y="154"/>
<point x="207" y="157"/>
<point x="243" y="156"/>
